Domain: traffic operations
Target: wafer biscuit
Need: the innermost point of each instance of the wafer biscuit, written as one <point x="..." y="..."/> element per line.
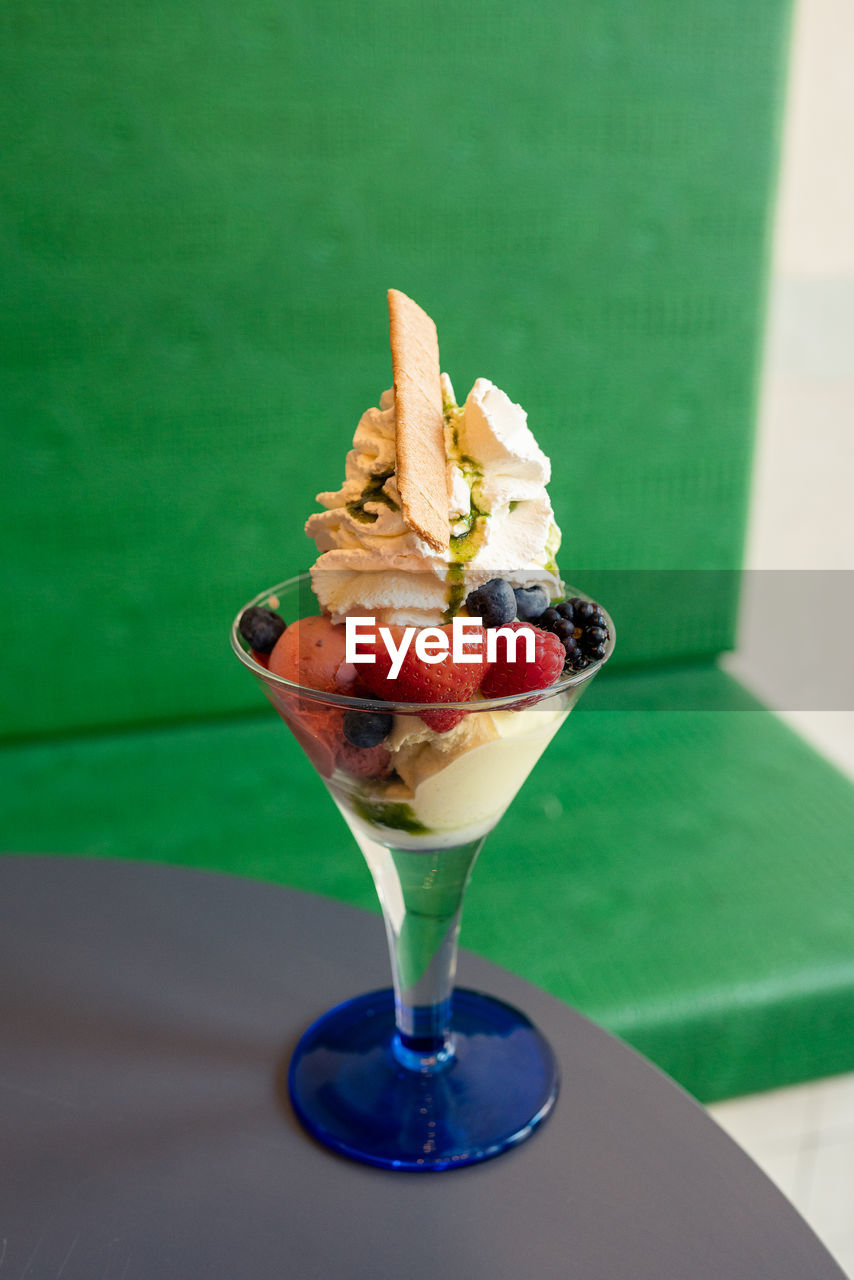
<point x="422" y="474"/>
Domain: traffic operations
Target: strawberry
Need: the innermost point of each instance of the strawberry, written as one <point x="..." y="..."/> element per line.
<point x="504" y="677"/>
<point x="417" y="681"/>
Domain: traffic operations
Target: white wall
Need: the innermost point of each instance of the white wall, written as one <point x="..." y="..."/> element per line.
<point x="802" y="513"/>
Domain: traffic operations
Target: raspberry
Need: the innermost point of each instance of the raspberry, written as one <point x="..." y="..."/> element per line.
<point x="505" y="677"/>
<point x="362" y="762"/>
<point x="418" y="681"/>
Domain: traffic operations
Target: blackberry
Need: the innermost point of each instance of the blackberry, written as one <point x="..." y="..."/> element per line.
<point x="583" y="611"/>
<point x="494" y="603"/>
<point x="366" y="728"/>
<point x="595" y="641"/>
<point x="572" y="650"/>
<point x="260" y="628"/>
<point x="582" y="628"/>
<point x="530" y="602"/>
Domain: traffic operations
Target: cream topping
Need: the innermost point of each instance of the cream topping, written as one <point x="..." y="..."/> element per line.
<point x="502" y="524"/>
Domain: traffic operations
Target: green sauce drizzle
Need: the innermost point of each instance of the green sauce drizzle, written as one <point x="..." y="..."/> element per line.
<point x="390" y="813"/>
<point x="552" y="548"/>
<point x="465" y="546"/>
<point x="372" y="492"/>
<point x="456" y="591"/>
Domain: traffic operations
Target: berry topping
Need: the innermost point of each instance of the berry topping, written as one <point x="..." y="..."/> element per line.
<point x="506" y="677"/>
<point x="530" y="602"/>
<point x="320" y="731"/>
<point x="362" y="762"/>
<point x="417" y="681"/>
<point x="260" y="628"/>
<point x="494" y="603"/>
<point x="366" y="729"/>
<point x="582" y="629"/>
<point x="583" y="611"/>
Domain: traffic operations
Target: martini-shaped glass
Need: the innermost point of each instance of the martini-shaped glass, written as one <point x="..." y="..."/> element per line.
<point x="423" y="1075"/>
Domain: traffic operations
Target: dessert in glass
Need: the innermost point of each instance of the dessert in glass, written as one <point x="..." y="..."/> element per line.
<point x="424" y="665"/>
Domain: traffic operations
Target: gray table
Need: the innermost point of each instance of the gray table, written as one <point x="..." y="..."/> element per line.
<point x="147" y="1014"/>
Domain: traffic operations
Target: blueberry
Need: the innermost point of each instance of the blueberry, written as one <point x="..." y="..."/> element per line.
<point x="530" y="602"/>
<point x="494" y="603"/>
<point x="260" y="628"/>
<point x="366" y="728"/>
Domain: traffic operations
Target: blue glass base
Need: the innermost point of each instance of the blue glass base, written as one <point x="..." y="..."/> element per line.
<point x="350" y="1090"/>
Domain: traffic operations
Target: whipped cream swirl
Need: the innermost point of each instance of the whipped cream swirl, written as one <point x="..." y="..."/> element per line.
<point x="502" y="524"/>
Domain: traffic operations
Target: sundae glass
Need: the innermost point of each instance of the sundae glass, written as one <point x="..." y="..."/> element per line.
<point x="423" y="748"/>
<point x="420" y="1076"/>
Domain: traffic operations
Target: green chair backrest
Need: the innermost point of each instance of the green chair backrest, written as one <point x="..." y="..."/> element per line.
<point x="204" y="204"/>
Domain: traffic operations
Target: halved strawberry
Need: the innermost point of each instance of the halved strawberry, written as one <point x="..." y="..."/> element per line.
<point x="417" y="681"/>
<point x="521" y="676"/>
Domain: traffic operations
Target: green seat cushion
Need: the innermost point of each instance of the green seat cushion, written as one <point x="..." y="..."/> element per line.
<point x="678" y="866"/>
<point x="204" y="204"/>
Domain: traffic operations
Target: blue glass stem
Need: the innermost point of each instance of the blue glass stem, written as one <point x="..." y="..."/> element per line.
<point x="421" y="892"/>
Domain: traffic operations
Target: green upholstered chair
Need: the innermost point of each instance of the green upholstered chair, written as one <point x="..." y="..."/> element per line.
<point x="203" y="207"/>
